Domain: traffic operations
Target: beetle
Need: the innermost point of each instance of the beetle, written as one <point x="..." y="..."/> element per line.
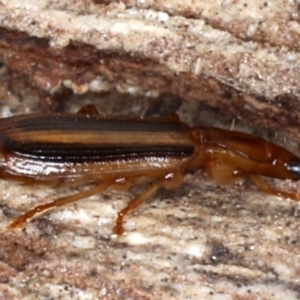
<point x="116" y="151"/>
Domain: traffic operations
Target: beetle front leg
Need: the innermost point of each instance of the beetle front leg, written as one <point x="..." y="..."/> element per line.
<point x="265" y="187"/>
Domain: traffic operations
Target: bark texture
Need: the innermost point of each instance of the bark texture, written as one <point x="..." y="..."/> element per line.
<point x="201" y="241"/>
<point x="241" y="58"/>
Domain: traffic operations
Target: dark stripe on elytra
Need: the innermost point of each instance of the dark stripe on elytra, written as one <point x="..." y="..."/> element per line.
<point x="90" y="123"/>
<point x="81" y="153"/>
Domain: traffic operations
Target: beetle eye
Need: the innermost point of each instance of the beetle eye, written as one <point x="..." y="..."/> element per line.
<point x="294" y="167"/>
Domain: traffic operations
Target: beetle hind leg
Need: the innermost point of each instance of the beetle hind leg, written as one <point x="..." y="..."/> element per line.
<point x="20" y="221"/>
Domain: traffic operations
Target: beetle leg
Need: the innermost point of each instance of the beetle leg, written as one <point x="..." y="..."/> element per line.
<point x="133" y="205"/>
<point x="265" y="187"/>
<point x="88" y="110"/>
<point x="170" y="181"/>
<point x="20" y="221"/>
<point x="223" y="174"/>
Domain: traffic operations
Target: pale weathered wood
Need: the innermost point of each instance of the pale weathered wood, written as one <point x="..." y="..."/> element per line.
<point x="202" y="241"/>
<point x="240" y="57"/>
